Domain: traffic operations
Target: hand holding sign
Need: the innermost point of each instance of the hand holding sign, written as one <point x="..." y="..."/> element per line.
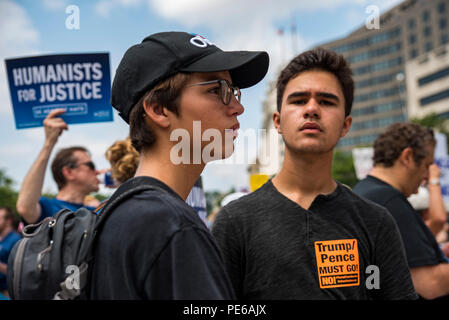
<point x="54" y="126"/>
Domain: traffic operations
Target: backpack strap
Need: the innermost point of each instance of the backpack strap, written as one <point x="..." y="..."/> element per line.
<point x="124" y="192"/>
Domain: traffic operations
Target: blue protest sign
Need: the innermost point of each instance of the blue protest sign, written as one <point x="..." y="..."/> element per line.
<point x="78" y="83"/>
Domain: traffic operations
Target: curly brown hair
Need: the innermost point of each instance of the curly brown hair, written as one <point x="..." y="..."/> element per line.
<point x="124" y="160"/>
<point x="398" y="136"/>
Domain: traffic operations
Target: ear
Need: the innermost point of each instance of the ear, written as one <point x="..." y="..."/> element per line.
<point x="67" y="173"/>
<point x="157" y="114"/>
<point x="346" y="126"/>
<point x="406" y="158"/>
<point x="277" y="121"/>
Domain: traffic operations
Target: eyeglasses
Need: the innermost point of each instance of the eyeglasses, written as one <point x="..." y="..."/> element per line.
<point x="89" y="164"/>
<point x="226" y="90"/>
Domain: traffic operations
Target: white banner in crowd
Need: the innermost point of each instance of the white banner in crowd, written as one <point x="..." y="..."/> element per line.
<point x="363" y="161"/>
<point x="442" y="160"/>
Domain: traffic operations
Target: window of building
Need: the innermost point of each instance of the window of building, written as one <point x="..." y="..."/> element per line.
<point x="426" y="16"/>
<point x="441" y="7"/>
<point x="434" y="76"/>
<point x="434" y="98"/>
<point x="412" y="39"/>
<point x="443" y="23"/>
<point x="411" y="23"/>
<point x="413" y="53"/>
<point x="427" y="31"/>
<point x="428" y="46"/>
<point x="444" y="39"/>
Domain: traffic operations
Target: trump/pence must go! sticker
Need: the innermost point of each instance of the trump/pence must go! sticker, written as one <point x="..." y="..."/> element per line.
<point x="338" y="263"/>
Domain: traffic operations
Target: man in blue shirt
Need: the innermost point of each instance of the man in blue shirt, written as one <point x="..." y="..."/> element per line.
<point x="73" y="171"/>
<point x="8" y="238"/>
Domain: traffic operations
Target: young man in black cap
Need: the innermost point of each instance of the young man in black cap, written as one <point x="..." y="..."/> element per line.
<point x="302" y="235"/>
<point x="154" y="246"/>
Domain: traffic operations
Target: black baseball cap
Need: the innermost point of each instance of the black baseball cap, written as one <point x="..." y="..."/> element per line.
<point x="162" y="55"/>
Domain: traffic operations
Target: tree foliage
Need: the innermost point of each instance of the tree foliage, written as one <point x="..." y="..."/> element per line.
<point x="8" y="196"/>
<point x="434" y="122"/>
<point x="343" y="168"/>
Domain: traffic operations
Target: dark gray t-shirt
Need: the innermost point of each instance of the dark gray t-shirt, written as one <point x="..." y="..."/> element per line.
<point x="275" y="249"/>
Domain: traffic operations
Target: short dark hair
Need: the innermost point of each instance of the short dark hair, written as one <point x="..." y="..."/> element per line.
<point x="9" y="212"/>
<point x="318" y="59"/>
<point x="398" y="136"/>
<point x="167" y="94"/>
<point x="64" y="158"/>
<point x="11" y="216"/>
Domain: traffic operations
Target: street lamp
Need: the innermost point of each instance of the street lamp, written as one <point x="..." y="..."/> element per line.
<point x="400" y="77"/>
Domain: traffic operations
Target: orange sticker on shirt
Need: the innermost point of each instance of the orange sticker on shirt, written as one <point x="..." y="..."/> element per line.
<point x="338" y="263"/>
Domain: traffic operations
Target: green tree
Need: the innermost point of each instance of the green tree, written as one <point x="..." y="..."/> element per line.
<point x="8" y="196"/>
<point x="343" y="168"/>
<point x="434" y="121"/>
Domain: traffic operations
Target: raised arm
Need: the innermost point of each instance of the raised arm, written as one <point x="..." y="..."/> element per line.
<point x="437" y="215"/>
<point x="30" y="192"/>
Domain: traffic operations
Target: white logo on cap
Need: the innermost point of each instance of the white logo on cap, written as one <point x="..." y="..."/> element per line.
<point x="200" y="41"/>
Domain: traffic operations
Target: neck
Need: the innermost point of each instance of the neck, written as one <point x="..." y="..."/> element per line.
<point x="304" y="176"/>
<point x="179" y="177"/>
<point x="72" y="194"/>
<point x="388" y="175"/>
<point x="5" y="232"/>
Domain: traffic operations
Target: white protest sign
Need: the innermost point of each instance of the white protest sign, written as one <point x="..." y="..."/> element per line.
<point x="442" y="160"/>
<point x="363" y="161"/>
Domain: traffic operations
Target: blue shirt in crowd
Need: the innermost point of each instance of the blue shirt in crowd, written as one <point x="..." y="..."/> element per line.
<point x="51" y="206"/>
<point x="6" y="245"/>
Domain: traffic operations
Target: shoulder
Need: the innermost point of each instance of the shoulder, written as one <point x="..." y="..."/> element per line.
<point x="14" y="237"/>
<point x="380" y="193"/>
<point x="154" y="210"/>
<point x="364" y="205"/>
<point x="49" y="206"/>
<point x="252" y="202"/>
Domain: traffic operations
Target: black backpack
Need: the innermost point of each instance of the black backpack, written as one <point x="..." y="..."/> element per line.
<point x="54" y="258"/>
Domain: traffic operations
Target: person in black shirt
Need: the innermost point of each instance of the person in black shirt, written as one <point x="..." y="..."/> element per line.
<point x="153" y="245"/>
<point x="303" y="235"/>
<point x="402" y="156"/>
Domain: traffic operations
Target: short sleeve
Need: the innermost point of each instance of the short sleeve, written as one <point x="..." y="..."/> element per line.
<point x="47" y="208"/>
<point x="395" y="278"/>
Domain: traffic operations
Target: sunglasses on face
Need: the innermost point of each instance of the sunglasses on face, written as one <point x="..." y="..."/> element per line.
<point x="226" y="90"/>
<point x="89" y="164"/>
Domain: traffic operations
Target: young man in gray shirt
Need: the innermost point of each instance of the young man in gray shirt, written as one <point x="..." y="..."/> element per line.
<point x="303" y="235"/>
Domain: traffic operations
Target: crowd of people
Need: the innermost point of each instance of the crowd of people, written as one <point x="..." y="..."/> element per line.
<point x="302" y="235"/>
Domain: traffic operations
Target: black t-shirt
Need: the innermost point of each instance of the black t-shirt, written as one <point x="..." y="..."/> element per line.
<point x="420" y="244"/>
<point x="154" y="246"/>
<point x="275" y="249"/>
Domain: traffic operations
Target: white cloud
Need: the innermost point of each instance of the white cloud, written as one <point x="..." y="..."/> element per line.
<point x="54" y="4"/>
<point x="18" y="37"/>
<point x="250" y="24"/>
<point x="104" y="7"/>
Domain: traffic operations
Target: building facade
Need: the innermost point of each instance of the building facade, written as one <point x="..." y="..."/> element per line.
<point x="390" y="61"/>
<point x="428" y="84"/>
<point x="378" y="58"/>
